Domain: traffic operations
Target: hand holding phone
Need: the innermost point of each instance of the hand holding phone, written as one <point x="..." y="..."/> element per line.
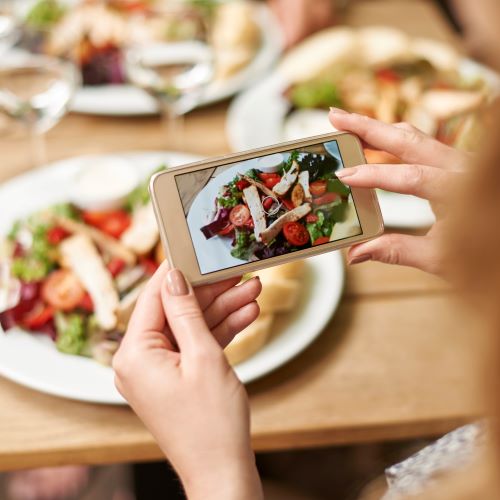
<point x="243" y="212"/>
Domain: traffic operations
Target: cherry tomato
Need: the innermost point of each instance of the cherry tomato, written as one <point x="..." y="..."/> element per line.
<point x="387" y="75"/>
<point x="318" y="188"/>
<point x="288" y="203"/>
<point x="295" y="233"/>
<point x="86" y="303"/>
<point x="242" y="184"/>
<point x="150" y="266"/>
<point x="62" y="290"/>
<point x="325" y="199"/>
<point x="113" y="223"/>
<point x="310" y="218"/>
<point x="270" y="180"/>
<point x="239" y="215"/>
<point x="115" y="266"/>
<point x="249" y="223"/>
<point x="38" y="316"/>
<point x="226" y="231"/>
<point x="56" y="234"/>
<point x="268" y="203"/>
<point x="321" y="240"/>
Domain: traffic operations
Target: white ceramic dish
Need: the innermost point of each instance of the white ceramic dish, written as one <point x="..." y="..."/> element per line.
<point x="257" y="118"/>
<point x="33" y="360"/>
<point x="126" y="100"/>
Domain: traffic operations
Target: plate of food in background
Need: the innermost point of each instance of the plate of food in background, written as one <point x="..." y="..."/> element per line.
<point x="74" y="257"/>
<point x="376" y="71"/>
<point x="245" y="38"/>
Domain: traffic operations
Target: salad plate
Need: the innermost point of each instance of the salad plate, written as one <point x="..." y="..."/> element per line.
<point x="294" y="99"/>
<point x="121" y="99"/>
<point x="31" y="358"/>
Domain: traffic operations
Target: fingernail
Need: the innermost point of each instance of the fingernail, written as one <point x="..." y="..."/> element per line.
<point x="346" y="172"/>
<point x="359" y="259"/>
<point x="176" y="283"/>
<point x="338" y="111"/>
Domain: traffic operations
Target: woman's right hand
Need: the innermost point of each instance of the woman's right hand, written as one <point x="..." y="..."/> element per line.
<point x="429" y="170"/>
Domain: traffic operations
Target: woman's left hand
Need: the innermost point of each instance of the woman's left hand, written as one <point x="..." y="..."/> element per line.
<point x="172" y="370"/>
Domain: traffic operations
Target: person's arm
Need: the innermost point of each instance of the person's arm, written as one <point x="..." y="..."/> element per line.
<point x="429" y="170"/>
<point x="171" y="369"/>
<point x="300" y="18"/>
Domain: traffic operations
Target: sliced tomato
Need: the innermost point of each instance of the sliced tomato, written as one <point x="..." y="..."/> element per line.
<point x="296" y="234"/>
<point x="242" y="184"/>
<point x="311" y="218"/>
<point x="62" y="290"/>
<point x="226" y="231"/>
<point x="325" y="199"/>
<point x="115" y="266"/>
<point x="86" y="303"/>
<point x="387" y="75"/>
<point x="150" y="266"/>
<point x="318" y="188"/>
<point x="321" y="240"/>
<point x="38" y="316"/>
<point x="113" y="223"/>
<point x="56" y="234"/>
<point x="288" y="203"/>
<point x="270" y="180"/>
<point x="239" y="215"/>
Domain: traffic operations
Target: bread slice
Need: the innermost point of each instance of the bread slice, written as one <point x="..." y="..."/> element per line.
<point x="250" y="340"/>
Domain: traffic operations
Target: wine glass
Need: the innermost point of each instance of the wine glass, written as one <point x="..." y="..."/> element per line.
<point x="9" y="29"/>
<point x="176" y="70"/>
<point x="35" y="92"/>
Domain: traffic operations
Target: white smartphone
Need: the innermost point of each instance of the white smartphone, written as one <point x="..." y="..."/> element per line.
<point x="242" y="212"/>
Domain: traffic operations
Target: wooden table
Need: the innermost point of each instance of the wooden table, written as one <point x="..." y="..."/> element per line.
<point x="391" y="364"/>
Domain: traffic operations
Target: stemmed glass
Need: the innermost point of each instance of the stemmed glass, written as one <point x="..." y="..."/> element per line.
<point x="9" y="29"/>
<point x="176" y="71"/>
<point x="36" y="91"/>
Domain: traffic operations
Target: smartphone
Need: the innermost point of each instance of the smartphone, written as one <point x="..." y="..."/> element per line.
<point x="242" y="212"/>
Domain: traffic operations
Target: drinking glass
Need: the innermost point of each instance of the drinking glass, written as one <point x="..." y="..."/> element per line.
<point x="35" y="92"/>
<point x="176" y="70"/>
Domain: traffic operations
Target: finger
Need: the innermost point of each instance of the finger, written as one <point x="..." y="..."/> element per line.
<point x="419" y="180"/>
<point x="148" y="314"/>
<point x="406" y="142"/>
<point x="185" y="316"/>
<point x="206" y="294"/>
<point x="232" y="300"/>
<point x="235" y="323"/>
<point x="401" y="249"/>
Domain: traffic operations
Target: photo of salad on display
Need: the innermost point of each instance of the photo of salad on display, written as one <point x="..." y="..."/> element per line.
<point x="74" y="271"/>
<point x="268" y="206"/>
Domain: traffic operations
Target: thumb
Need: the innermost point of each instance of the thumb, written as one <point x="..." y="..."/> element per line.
<point x="184" y="315"/>
<point x="401" y="249"/>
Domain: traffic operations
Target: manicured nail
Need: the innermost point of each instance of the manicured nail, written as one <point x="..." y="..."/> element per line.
<point x="346" y="172"/>
<point x="176" y="283"/>
<point x="338" y="111"/>
<point x="359" y="259"/>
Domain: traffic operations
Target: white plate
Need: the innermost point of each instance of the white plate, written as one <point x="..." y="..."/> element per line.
<point x="256" y="118"/>
<point x="126" y="100"/>
<point x="33" y="360"/>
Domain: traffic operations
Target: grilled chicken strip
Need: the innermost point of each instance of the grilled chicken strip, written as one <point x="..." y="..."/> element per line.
<point x="102" y="240"/>
<point x="287" y="180"/>
<point x="293" y="215"/>
<point x="79" y="254"/>
<point x="259" y="185"/>
<point x="256" y="210"/>
<point x="142" y="235"/>
<point x="304" y="182"/>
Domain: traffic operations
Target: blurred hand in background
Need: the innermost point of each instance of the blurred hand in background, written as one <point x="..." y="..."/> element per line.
<point x="300" y="18"/>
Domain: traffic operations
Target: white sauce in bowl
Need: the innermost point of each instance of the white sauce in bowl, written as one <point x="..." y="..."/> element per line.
<point x="271" y="163"/>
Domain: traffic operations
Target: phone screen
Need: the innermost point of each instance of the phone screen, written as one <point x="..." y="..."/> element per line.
<point x="267" y="206"/>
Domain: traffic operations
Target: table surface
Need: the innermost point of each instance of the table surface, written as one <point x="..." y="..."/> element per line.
<point x="386" y="367"/>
